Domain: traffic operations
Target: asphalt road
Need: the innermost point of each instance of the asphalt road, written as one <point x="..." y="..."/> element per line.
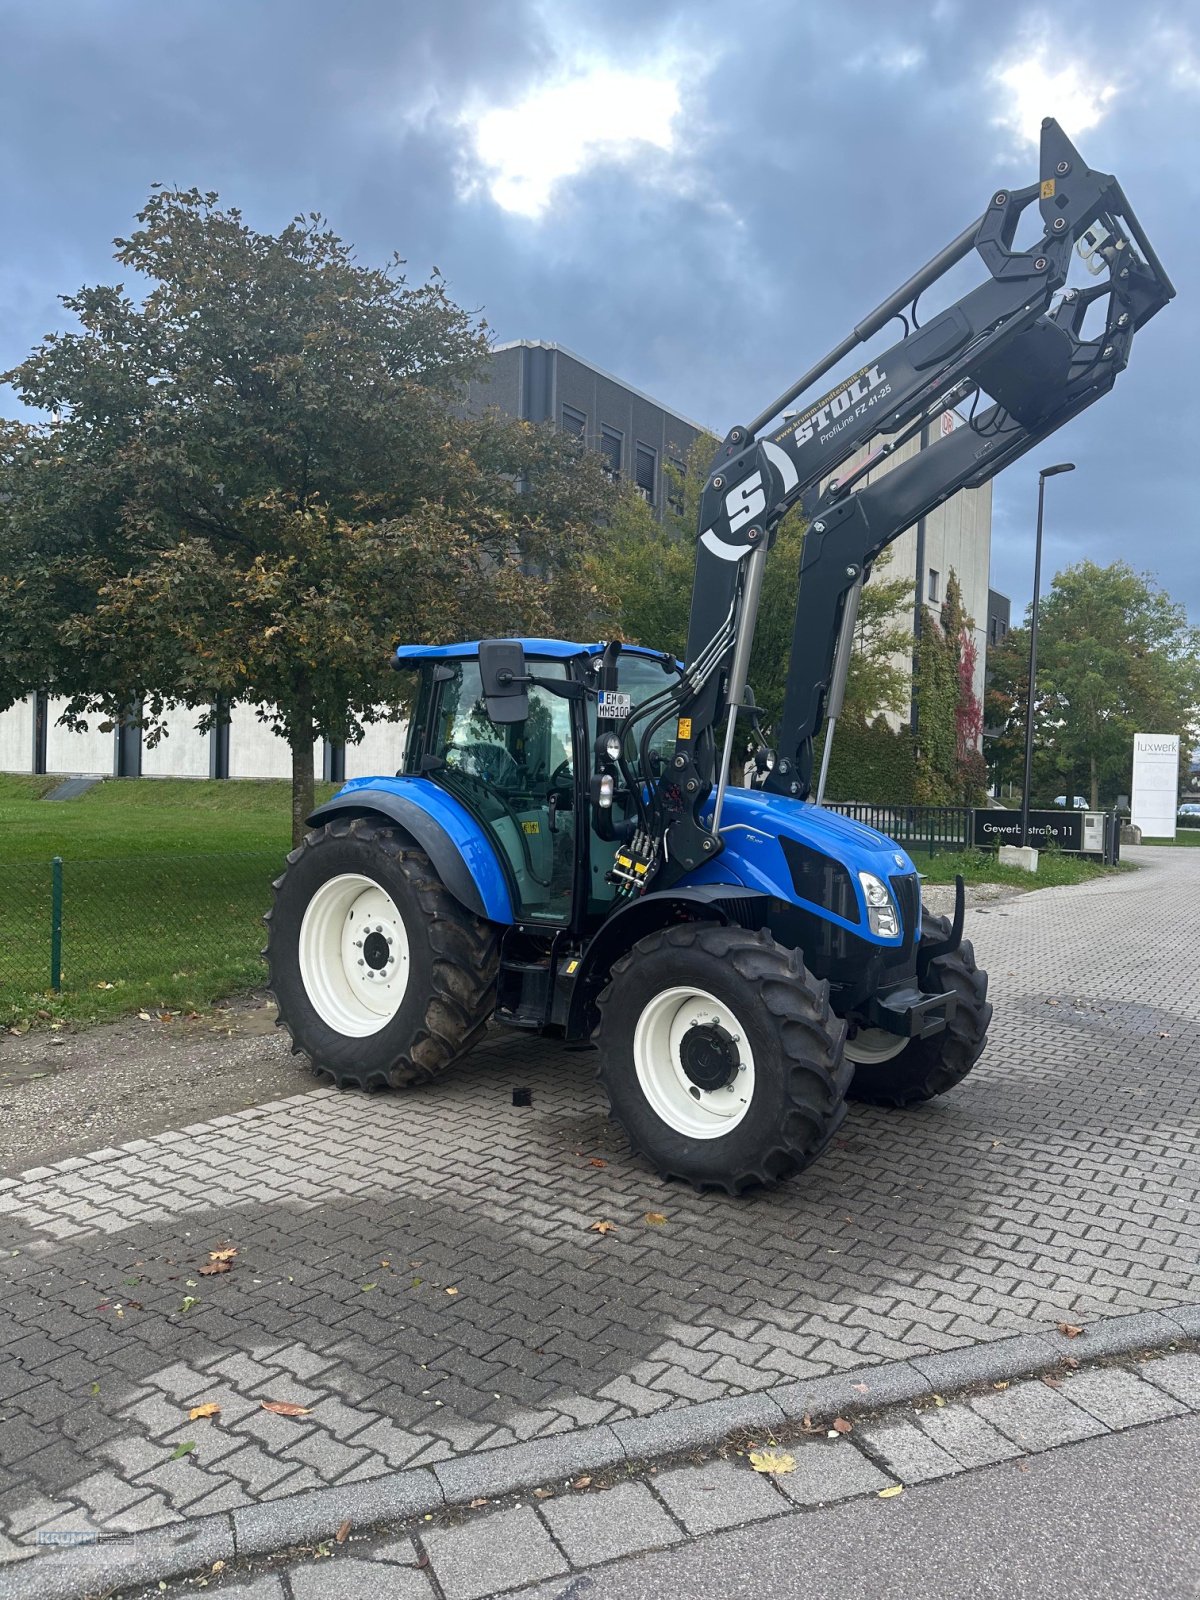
<point x="1113" y="1518"/>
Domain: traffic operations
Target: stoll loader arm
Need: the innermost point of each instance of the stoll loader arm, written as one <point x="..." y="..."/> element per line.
<point x="1016" y="338"/>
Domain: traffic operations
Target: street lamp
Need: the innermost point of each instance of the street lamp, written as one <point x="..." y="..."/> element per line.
<point x="1046" y="472"/>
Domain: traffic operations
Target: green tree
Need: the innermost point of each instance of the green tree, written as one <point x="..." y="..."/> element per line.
<point x="1116" y="656"/>
<point x="950" y="769"/>
<point x="257" y="479"/>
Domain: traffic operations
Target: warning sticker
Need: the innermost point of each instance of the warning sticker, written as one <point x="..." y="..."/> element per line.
<point x="614" y="704"/>
<point x="1048" y="189"/>
<point x="684" y="731"/>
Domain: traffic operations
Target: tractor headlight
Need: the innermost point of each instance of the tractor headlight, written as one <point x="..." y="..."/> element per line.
<point x="881" y="908"/>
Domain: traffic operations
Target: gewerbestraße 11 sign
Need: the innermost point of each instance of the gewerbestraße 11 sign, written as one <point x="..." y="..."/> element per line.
<point x="1061" y="829"/>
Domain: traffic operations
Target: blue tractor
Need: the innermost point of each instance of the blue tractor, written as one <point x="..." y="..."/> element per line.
<point x="563" y="850"/>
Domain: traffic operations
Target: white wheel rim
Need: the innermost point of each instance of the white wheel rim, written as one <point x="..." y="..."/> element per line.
<point x="871" y="1046"/>
<point x="684" y="1106"/>
<point x="354" y="955"/>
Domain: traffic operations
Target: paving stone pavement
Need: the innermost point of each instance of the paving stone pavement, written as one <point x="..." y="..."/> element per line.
<point x="1060" y="1182"/>
<point x="544" y="1546"/>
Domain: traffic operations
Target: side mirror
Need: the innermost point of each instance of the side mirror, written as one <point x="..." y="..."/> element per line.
<point x="505" y="682"/>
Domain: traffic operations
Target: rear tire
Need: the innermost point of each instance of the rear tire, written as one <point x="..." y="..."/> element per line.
<point x="721" y="1057"/>
<point x="924" y="1068"/>
<point x="381" y="978"/>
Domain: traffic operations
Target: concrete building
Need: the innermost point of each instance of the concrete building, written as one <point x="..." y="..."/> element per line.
<point x="637" y="436"/>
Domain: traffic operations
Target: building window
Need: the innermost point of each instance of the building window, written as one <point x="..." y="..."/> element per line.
<point x="647" y="463"/>
<point x="935" y="579"/>
<point x="612" y="448"/>
<point x="676" y="472"/>
<point x="574" y="422"/>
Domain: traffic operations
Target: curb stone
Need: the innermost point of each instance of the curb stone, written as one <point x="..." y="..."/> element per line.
<point x="181" y="1548"/>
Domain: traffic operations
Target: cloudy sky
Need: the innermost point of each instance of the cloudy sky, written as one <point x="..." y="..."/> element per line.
<point x="700" y="198"/>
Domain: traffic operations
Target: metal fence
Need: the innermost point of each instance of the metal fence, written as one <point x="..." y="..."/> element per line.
<point x="67" y="926"/>
<point x="929" y="828"/>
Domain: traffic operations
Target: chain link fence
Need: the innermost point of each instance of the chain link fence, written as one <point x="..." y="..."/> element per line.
<point x="181" y="924"/>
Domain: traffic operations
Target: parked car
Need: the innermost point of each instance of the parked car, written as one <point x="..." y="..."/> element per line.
<point x="1079" y="803"/>
<point x="1189" y="810"/>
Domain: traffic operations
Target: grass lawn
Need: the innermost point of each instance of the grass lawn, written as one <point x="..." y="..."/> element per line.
<point x="164" y="886"/>
<point x="1185" y="836"/>
<point x="981" y="866"/>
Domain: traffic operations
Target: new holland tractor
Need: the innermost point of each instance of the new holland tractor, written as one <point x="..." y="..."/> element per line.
<point x="562" y="850"/>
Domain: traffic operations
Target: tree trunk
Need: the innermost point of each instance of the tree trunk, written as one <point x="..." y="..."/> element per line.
<point x="1095" y="786"/>
<point x="302" y="785"/>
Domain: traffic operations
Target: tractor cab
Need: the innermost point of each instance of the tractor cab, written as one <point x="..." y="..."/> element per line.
<point x="517" y="756"/>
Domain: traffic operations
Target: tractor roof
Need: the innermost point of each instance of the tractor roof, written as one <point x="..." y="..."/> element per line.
<point x="555" y="649"/>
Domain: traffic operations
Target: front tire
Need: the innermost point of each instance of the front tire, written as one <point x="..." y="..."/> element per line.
<point x="381" y="978"/>
<point x="921" y="1069"/>
<point x="721" y="1057"/>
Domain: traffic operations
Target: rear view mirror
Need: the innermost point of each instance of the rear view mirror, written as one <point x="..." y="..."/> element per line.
<point x="505" y="683"/>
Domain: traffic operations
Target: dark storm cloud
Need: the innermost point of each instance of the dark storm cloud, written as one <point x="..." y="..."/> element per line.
<point x="824" y="154"/>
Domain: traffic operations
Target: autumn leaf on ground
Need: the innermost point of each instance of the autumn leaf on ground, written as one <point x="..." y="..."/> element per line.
<point x="861" y="1388"/>
<point x="213" y="1268"/>
<point x="189" y="1300"/>
<point x="451" y="1291"/>
<point x="808" y="1425"/>
<point x="343" y="1532"/>
<point x="842" y="1426"/>
<point x="210" y="1408"/>
<point x="654" y="1218"/>
<point x="476" y="1503"/>
<point x="938" y="1401"/>
<point x="1003" y="1385"/>
<point x="1070" y="1330"/>
<point x="887" y="1494"/>
<point x="1051" y="1383"/>
<point x="284" y="1408"/>
<point x="773" y="1461"/>
<point x="602" y="1227"/>
<point x="543" y="1494"/>
<point x="581" y="1483"/>
<point x="367" y="1287"/>
<point x="183" y="1450"/>
<point x="226" y="1253"/>
<point x="596" y="1162"/>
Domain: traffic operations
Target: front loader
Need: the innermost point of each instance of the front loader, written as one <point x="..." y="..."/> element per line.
<point x="562" y="851"/>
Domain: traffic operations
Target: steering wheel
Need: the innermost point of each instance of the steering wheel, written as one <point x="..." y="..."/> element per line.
<point x="490" y="762"/>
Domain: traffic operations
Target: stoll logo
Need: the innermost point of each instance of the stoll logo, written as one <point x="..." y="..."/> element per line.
<point x="838" y="403"/>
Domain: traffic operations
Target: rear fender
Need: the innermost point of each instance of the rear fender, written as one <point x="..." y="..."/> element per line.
<point x="456" y="844"/>
<point x="724" y="903"/>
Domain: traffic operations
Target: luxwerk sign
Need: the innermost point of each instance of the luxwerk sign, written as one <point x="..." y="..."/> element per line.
<point x="1155" y="783"/>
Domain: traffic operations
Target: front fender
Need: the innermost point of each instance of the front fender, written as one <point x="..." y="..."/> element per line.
<point x="462" y="855"/>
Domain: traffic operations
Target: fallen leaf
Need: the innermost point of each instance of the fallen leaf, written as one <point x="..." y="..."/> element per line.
<point x="217" y="1566"/>
<point x="284" y="1408"/>
<point x="475" y="1504"/>
<point x="1070" y="1330"/>
<point x="210" y="1408"/>
<point x="226" y="1253"/>
<point x="543" y="1494"/>
<point x="189" y="1300"/>
<point x="1003" y="1385"/>
<point x="842" y="1426"/>
<point x="862" y="1388"/>
<point x="143" y="1016"/>
<point x="367" y="1287"/>
<point x="581" y="1483"/>
<point x="451" y="1291"/>
<point x="213" y="1268"/>
<point x="183" y="1449"/>
<point x="596" y="1162"/>
<point x="1052" y="1383"/>
<point x="808" y="1425"/>
<point x="343" y="1532"/>
<point x="602" y="1227"/>
<point x="938" y="1401"/>
<point x="655" y="1218"/>
<point x="773" y="1461"/>
<point x="895" y="1489"/>
<point x="1072" y="1363"/>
